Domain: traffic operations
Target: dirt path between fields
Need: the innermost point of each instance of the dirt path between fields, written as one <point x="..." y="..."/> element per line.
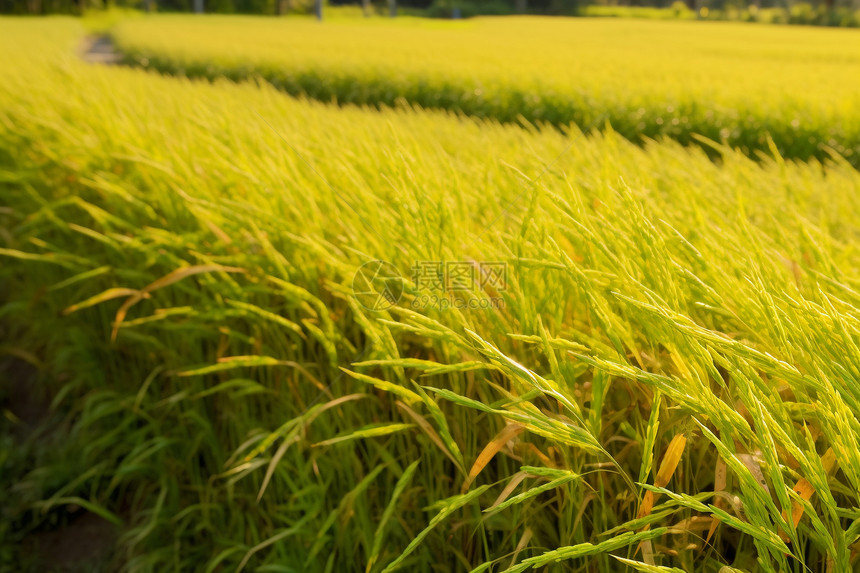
<point x="71" y="540"/>
<point x="99" y="50"/>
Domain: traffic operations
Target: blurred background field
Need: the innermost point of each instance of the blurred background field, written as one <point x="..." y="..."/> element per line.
<point x="844" y="13"/>
<point x="731" y="83"/>
<point x="668" y="382"/>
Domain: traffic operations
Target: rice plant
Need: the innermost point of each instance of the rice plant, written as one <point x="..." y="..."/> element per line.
<point x="669" y="382"/>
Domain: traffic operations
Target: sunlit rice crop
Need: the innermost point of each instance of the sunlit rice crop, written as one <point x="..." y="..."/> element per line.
<point x="670" y="382"/>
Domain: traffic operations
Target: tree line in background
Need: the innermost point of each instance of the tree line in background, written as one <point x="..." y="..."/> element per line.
<point x="818" y="12"/>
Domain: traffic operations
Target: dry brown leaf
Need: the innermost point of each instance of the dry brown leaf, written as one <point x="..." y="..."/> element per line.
<point x="512" y="485"/>
<point x="109" y="294"/>
<point x="164" y="281"/>
<point x="422" y="423"/>
<point x="664" y="474"/>
<point x="805" y="490"/>
<point x="719" y="486"/>
<point x="751" y="463"/>
<point x="508" y="433"/>
<point x="524" y="540"/>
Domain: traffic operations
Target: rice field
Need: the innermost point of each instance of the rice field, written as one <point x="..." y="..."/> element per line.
<point x="581" y="353"/>
<point x="732" y="83"/>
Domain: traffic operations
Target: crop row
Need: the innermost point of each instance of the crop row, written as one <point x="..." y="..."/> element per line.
<point x="730" y="83"/>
